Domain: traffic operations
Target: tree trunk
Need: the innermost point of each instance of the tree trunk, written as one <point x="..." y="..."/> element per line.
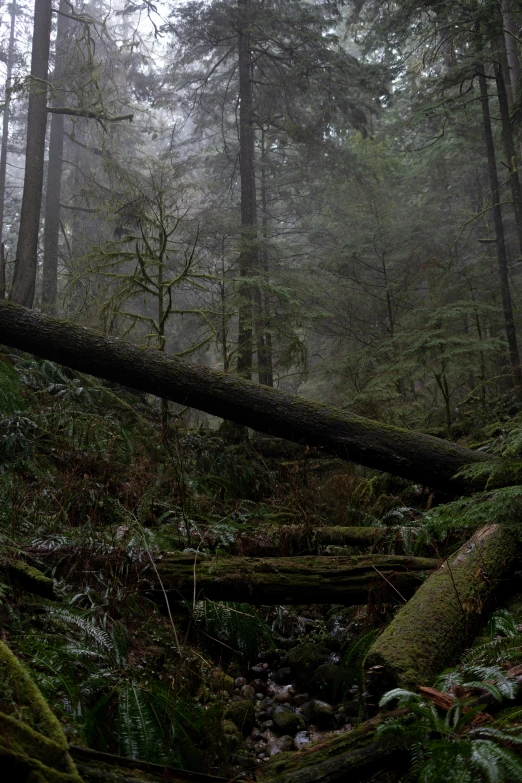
<point x="296" y="540"/>
<point x="355" y="757"/>
<point x="499" y="237"/>
<point x="424" y="459"/>
<point x="5" y="127"/>
<point x="54" y="175"/>
<point x="509" y="149"/>
<point x="24" y="279"/>
<point x="291" y="580"/>
<point x="249" y="250"/>
<point x="427" y="634"/>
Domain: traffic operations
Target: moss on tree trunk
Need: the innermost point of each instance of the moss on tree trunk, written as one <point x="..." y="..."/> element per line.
<point x="444" y="614"/>
<point x="292" y="580"/>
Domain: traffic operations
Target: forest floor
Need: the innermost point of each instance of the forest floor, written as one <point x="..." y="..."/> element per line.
<point x="92" y="492"/>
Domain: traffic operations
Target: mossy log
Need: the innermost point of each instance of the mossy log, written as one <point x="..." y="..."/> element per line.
<point x="445" y="613"/>
<point x="291" y="580"/>
<point x="30" y="580"/>
<point x="297" y="540"/>
<point x="33" y="748"/>
<point x="420" y="458"/>
<point x="96" y="767"/>
<point x="354" y="756"/>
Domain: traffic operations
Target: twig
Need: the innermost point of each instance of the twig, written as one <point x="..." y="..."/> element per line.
<point x="392" y="586"/>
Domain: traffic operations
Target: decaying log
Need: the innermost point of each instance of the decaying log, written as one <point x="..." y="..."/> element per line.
<point x="291" y="580"/>
<point x="444" y="614"/>
<point x="297" y="540"/>
<point x="420" y="458"/>
<point x="354" y="757"/>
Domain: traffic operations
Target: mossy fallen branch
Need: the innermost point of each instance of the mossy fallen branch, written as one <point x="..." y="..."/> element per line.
<point x="30" y="580"/>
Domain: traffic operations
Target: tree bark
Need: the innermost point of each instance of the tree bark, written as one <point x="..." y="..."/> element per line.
<point x="249" y="250"/>
<point x="24" y="278"/>
<point x="509" y="148"/>
<point x="499" y="237"/>
<point x="443" y="616"/>
<point x="424" y="459"/>
<point x="355" y="757"/>
<point x="54" y="177"/>
<point x="291" y="580"/>
<point x="5" y="131"/>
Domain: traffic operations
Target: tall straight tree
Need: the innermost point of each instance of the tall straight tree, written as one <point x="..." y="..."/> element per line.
<point x="54" y="173"/>
<point x="24" y="278"/>
<point x="3" y="148"/>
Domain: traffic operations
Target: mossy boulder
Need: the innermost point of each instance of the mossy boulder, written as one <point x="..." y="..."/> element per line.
<point x="242" y="714"/>
<point x="330" y="682"/>
<point x="287" y="721"/>
<point x="305" y="659"/>
<point x="221" y="682"/>
<point x="33" y="748"/>
<point x="232" y="735"/>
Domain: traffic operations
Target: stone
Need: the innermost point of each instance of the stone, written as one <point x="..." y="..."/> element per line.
<point x="283" y="676"/>
<point x="248" y="692"/>
<point x="259" y="697"/>
<point x="258" y="685"/>
<point x="266" y="724"/>
<point x="287" y="721"/>
<point x="305" y="659"/>
<point x="259" y="672"/>
<point x="319" y="713"/>
<point x="330" y="682"/>
<point x="256" y="735"/>
<point x="239" y="682"/>
<point x="301" y="739"/>
<point x="301" y="698"/>
<point x="283" y="744"/>
<point x="221" y="681"/>
<point x="241" y="713"/>
<point x="284" y="697"/>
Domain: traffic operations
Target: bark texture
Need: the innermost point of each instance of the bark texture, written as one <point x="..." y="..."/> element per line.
<point x="291" y="580"/>
<point x="445" y="613"/>
<point x="353" y="757"/>
<point x="420" y="458"/>
<point x="24" y="278"/>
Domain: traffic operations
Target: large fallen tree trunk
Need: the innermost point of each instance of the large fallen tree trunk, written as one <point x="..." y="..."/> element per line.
<point x="290" y="580"/>
<point x="421" y="458"/>
<point x="443" y="616"/>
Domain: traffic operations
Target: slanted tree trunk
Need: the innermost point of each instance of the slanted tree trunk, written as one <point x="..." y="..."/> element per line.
<point x="428" y="632"/>
<point x="424" y="459"/>
<point x="499" y="237"/>
<point x="291" y="580"/>
<point x="24" y="278"/>
<point x="5" y="136"/>
<point x="54" y="174"/>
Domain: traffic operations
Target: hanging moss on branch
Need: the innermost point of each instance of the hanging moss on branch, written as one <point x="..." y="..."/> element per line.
<point x="292" y="580"/>
<point x="445" y="613"/>
<point x="33" y="747"/>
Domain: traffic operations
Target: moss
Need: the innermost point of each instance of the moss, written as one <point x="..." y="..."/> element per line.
<point x="31" y="580"/>
<point x="241" y="713"/>
<point x="444" y="615"/>
<point x="287" y="721"/>
<point x="232" y="735"/>
<point x="304" y="659"/>
<point x="32" y="743"/>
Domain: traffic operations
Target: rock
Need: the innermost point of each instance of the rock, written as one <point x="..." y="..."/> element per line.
<point x="259" y="697"/>
<point x="241" y="713"/>
<point x="232" y="735"/>
<point x="221" y="681"/>
<point x="248" y="692"/>
<point x="283" y="676"/>
<point x="258" y="685"/>
<point x="239" y="682"/>
<point x="302" y="738"/>
<point x="330" y="682"/>
<point x="271" y="657"/>
<point x="301" y="698"/>
<point x="318" y="712"/>
<point x="256" y="735"/>
<point x="287" y="721"/>
<point x="266" y="724"/>
<point x="281" y="745"/>
<point x="305" y="659"/>
<point x="260" y="747"/>
<point x="284" y="697"/>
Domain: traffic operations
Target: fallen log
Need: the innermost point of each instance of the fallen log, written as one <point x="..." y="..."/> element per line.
<point x="290" y="580"/>
<point x="297" y="540"/>
<point x="354" y="756"/>
<point x="420" y="458"/>
<point x="444" y="615"/>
